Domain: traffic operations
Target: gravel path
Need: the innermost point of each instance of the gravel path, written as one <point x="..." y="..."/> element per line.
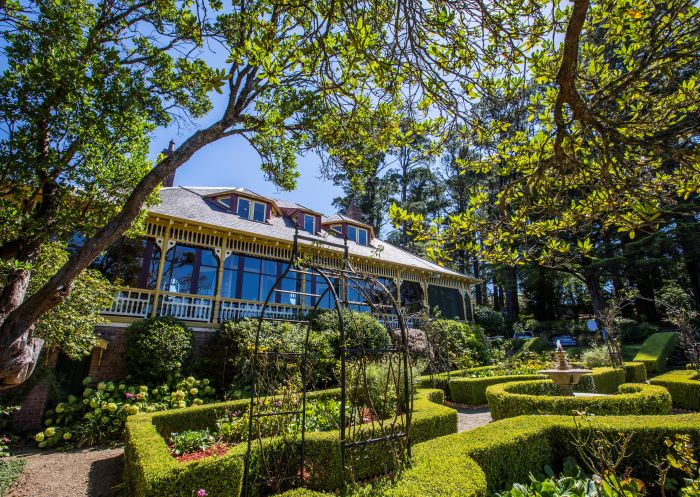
<point x="469" y="418"/>
<point x="79" y="473"/>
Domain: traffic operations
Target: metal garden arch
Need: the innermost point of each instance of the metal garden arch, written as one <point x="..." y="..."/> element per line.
<point x="269" y="468"/>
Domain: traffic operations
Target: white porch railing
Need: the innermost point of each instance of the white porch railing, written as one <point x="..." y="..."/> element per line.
<point x="131" y="303"/>
<point x="188" y="308"/>
<point x="234" y="310"/>
<point x="139" y="304"/>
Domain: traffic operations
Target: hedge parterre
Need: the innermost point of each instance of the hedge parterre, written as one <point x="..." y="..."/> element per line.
<point x="152" y="472"/>
<point x="542" y="397"/>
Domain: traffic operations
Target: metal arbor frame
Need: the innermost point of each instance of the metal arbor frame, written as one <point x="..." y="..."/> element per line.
<point x="267" y="404"/>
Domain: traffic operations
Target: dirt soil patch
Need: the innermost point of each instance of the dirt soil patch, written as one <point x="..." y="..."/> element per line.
<point x="94" y="472"/>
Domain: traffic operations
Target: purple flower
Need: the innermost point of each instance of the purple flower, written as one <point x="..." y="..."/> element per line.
<point x="129" y="395"/>
<point x="201" y="493"/>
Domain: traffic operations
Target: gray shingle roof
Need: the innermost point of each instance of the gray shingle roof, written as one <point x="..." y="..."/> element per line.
<point x="190" y="204"/>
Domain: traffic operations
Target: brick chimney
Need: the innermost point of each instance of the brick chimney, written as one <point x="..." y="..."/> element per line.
<point x="353" y="211"/>
<point x="170" y="180"/>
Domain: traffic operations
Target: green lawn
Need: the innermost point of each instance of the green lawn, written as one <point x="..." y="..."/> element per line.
<point x="10" y="471"/>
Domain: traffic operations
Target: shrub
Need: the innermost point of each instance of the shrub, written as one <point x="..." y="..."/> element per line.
<point x="491" y="321"/>
<point x="597" y="356"/>
<point x="237" y="339"/>
<point x="362" y="330"/>
<point x="152" y="472"/>
<point x="543" y="397"/>
<point x="156" y="348"/>
<point x="472" y="391"/>
<point x="635" y="372"/>
<point x="684" y="387"/>
<point x="459" y="339"/>
<point x="656" y="350"/>
<point x="190" y="441"/>
<point x="100" y="414"/>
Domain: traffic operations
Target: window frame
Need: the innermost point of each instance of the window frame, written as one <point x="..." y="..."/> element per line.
<point x="313" y="223"/>
<point x="251" y="209"/>
<point x="366" y="232"/>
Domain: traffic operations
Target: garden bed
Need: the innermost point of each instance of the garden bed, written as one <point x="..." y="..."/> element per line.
<point x="152" y="471"/>
<point x="543" y="397"/>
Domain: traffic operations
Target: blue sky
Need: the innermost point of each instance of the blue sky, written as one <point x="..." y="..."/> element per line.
<point x="233" y="162"/>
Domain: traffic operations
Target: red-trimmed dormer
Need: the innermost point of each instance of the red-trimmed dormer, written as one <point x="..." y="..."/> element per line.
<point x="307" y="219"/>
<point x="246" y="204"/>
<point x="355" y="230"/>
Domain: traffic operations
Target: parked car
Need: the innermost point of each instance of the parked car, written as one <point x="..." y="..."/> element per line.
<point x="524" y="335"/>
<point x="565" y="340"/>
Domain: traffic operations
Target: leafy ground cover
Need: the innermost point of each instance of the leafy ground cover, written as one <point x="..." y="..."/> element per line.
<point x="10" y="471"/>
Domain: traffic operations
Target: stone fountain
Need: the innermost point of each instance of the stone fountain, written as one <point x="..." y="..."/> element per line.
<point x="564" y="375"/>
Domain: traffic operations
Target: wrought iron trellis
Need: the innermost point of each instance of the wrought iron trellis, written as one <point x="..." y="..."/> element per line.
<point x="274" y="407"/>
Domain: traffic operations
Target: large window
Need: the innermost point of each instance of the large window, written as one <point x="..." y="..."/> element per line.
<point x="229" y="280"/>
<point x="252" y="210"/>
<point x="259" y="277"/>
<point x="190" y="270"/>
<point x="310" y="224"/>
<point x="251" y="278"/>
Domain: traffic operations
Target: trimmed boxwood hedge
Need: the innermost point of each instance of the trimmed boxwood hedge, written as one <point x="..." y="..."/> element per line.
<point x="487" y="459"/>
<point x="601" y="380"/>
<point x="656" y="350"/>
<point x="472" y="391"/>
<point x="540" y="397"/>
<point x="440" y="380"/>
<point x="684" y="387"/>
<point x="152" y="472"/>
<point x="635" y="372"/>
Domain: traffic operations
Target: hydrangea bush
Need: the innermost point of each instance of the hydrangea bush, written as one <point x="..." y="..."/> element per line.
<point x="100" y="414"/>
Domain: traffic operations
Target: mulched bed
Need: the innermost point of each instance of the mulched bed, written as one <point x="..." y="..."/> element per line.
<point x="215" y="450"/>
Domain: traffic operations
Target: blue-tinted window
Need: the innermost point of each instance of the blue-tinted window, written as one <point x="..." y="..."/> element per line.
<point x="250" y="286"/>
<point x="244" y="208"/>
<point x="259" y="212"/>
<point x="230" y="277"/>
<point x="251" y="264"/>
<point x="362" y="240"/>
<point x="190" y="270"/>
<point x="226" y="201"/>
<point x="310" y="224"/>
<point x="352" y="233"/>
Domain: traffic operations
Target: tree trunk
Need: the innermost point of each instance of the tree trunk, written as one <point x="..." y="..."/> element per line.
<point x="592" y="279"/>
<point x="18" y="348"/>
<point x="478" y="288"/>
<point x="510" y="285"/>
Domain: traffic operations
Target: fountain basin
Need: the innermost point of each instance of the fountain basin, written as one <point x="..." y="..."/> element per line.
<point x="565" y="378"/>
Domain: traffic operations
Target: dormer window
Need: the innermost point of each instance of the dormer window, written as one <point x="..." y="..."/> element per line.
<point x="337" y="228"/>
<point x="226" y="201"/>
<point x="310" y="224"/>
<point x="357" y="235"/>
<point x="252" y="210"/>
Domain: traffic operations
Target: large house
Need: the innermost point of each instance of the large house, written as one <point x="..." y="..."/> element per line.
<point x="212" y="255"/>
